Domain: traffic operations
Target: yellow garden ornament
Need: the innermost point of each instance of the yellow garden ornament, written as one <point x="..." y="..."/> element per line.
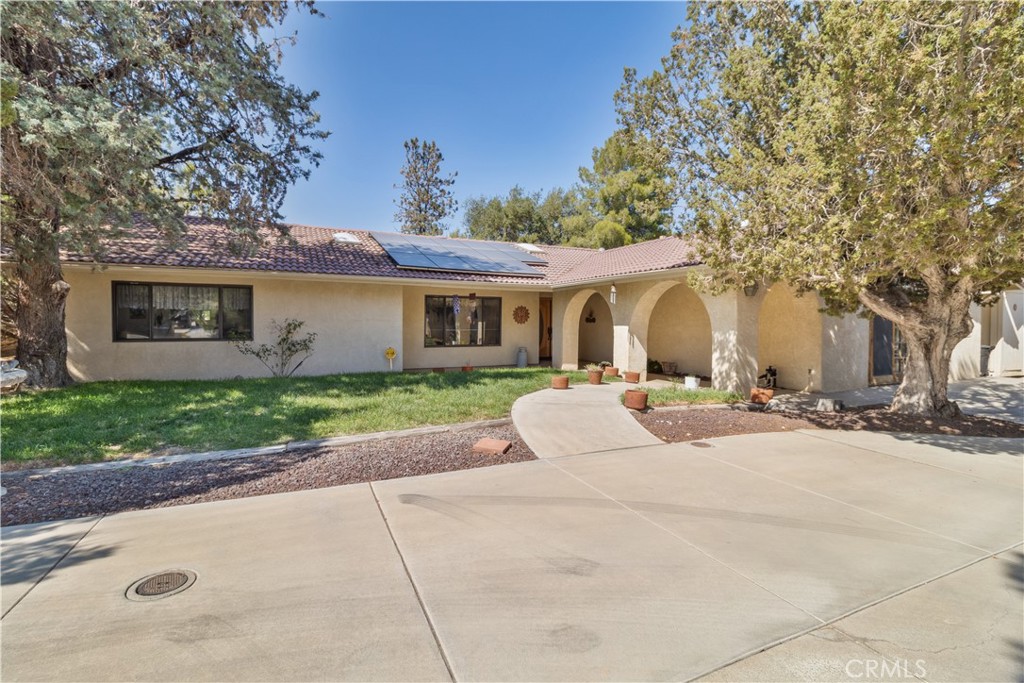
<point x="390" y="354"/>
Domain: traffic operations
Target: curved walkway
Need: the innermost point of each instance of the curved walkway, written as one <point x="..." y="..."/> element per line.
<point x="584" y="418"/>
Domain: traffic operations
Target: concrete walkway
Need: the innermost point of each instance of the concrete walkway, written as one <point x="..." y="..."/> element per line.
<point x="998" y="397"/>
<point x="584" y="418"/>
<point x="834" y="551"/>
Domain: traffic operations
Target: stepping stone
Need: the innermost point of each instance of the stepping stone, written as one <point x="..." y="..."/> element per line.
<point x="492" y="446"/>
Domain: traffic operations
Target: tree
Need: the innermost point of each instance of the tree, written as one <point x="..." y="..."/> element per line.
<point x="629" y="188"/>
<point x="426" y="196"/>
<point x="519" y="217"/>
<point x="111" y="108"/>
<point x="872" y="152"/>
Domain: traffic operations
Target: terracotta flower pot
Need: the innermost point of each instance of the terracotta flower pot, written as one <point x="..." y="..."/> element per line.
<point x="467" y="368"/>
<point x="631" y="377"/>
<point x="594" y="376"/>
<point x="761" y="395"/>
<point x="611" y="372"/>
<point x="560" y="382"/>
<point x="636" y="399"/>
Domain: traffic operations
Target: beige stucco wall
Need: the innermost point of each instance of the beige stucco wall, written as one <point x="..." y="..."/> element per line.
<point x="845" y="352"/>
<point x="513" y="335"/>
<point x="354" y="323"/>
<point x="680" y="331"/>
<point x="595" y="338"/>
<point x="789" y="338"/>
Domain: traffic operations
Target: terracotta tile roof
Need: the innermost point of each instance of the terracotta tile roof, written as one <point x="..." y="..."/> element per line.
<point x="315" y="251"/>
<point x="644" y="257"/>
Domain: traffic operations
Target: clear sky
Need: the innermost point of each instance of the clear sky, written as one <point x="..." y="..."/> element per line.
<point x="513" y="93"/>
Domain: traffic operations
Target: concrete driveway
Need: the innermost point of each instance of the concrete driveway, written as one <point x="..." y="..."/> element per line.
<point x="840" y="553"/>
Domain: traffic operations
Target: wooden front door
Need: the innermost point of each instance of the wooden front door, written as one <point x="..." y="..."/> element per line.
<point x="545" y="329"/>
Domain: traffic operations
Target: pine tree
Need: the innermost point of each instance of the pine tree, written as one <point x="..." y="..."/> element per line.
<point x="426" y="197"/>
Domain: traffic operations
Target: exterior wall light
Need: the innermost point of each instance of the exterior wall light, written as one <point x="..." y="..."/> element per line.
<point x="613" y="294"/>
<point x="750" y="290"/>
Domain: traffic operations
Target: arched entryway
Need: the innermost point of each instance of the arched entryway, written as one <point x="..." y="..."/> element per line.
<point x="595" y="331"/>
<point x="679" y="332"/>
<point x="789" y="338"/>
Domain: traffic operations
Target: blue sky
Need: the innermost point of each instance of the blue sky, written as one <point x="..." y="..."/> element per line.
<point x="513" y="93"/>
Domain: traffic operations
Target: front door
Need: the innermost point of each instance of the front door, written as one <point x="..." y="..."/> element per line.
<point x="545" y="329"/>
<point x="888" y="352"/>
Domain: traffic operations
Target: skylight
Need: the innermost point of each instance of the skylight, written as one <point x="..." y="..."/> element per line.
<point x="345" y="238"/>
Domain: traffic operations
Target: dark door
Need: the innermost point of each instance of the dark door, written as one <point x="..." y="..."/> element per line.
<point x="888" y="352"/>
<point x="545" y="329"/>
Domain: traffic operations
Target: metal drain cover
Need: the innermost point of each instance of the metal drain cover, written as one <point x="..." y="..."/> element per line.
<point x="162" y="585"/>
<point x="700" y="444"/>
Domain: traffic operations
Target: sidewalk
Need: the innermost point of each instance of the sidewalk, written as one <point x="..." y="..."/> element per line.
<point x="585" y="418"/>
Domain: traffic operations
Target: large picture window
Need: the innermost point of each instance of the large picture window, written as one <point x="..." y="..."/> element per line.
<point x="462" y="321"/>
<point x="153" y="312"/>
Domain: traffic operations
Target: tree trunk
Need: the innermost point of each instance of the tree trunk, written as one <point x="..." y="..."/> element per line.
<point x="925" y="378"/>
<point x="42" y="339"/>
<point x="931" y="331"/>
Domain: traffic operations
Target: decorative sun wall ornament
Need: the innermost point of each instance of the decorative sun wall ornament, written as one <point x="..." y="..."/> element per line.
<point x="521" y="314"/>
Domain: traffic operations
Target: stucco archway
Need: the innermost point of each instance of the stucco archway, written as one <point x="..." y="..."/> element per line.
<point x="789" y="338"/>
<point x="639" y="324"/>
<point x="595" y="331"/>
<point x="568" y="340"/>
<point x="679" y="331"/>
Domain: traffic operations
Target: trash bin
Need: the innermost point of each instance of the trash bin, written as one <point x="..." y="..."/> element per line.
<point x="986" y="351"/>
<point x="521" y="357"/>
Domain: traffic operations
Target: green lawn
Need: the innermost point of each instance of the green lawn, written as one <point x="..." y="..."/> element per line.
<point x="672" y="396"/>
<point x="104" y="420"/>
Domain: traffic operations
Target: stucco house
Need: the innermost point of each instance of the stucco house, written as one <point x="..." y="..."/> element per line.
<point x="154" y="312"/>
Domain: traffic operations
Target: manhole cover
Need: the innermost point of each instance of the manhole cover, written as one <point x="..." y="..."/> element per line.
<point x="700" y="444"/>
<point x="161" y="585"/>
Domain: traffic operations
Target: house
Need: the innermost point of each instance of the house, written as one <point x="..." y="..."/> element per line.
<point x="151" y="311"/>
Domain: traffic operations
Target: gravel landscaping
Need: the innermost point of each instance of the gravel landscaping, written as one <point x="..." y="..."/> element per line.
<point x="675" y="424"/>
<point x="34" y="496"/>
<point x="38" y="497"/>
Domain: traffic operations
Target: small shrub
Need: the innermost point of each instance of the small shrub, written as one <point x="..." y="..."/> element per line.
<point x="279" y="355"/>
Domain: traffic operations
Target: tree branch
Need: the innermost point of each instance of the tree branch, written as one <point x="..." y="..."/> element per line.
<point x="186" y="153"/>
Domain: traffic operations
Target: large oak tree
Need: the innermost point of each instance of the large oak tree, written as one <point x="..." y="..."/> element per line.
<point x="113" y="108"/>
<point x="872" y="152"/>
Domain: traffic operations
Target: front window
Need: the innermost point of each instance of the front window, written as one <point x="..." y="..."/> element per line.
<point x="181" y="312"/>
<point x="462" y="321"/>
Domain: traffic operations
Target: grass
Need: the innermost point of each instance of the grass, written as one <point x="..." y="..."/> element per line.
<point x="105" y="420"/>
<point x="673" y="396"/>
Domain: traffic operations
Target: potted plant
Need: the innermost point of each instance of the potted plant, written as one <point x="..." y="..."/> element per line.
<point x="560" y="382"/>
<point x="594" y="373"/>
<point x="635" y="399"/>
<point x="609" y="369"/>
<point x="466" y="367"/>
<point x="631" y="377"/>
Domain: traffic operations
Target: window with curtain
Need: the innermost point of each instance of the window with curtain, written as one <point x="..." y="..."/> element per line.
<point x="462" y="321"/>
<point x="159" y="312"/>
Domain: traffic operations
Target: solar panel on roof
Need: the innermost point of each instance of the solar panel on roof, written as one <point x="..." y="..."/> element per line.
<point x="464" y="256"/>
